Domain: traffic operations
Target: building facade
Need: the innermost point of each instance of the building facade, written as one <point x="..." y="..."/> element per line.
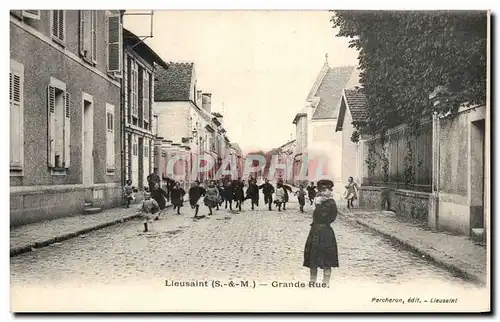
<point x="187" y="125"/>
<point x="318" y="143"/>
<point x="139" y="62"/>
<point x="283" y="156"/>
<point x="439" y="176"/>
<point x="65" y="71"/>
<point x="352" y="110"/>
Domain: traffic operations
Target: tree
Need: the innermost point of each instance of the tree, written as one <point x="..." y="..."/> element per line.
<point x="403" y="56"/>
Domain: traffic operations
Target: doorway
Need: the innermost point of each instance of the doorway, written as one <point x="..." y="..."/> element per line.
<point x="88" y="143"/>
<point x="141" y="163"/>
<point x="129" y="156"/>
<point x="477" y="171"/>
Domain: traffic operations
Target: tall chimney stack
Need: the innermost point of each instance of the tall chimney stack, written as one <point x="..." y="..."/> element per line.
<point x="207" y="102"/>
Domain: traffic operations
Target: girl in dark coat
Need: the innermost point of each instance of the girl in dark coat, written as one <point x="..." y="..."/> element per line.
<point x="320" y="250"/>
<point x="227" y="194"/>
<point x="159" y="195"/>
<point x="286" y="198"/>
<point x="195" y="194"/>
<point x="253" y="193"/>
<point x="238" y="193"/>
<point x="177" y="196"/>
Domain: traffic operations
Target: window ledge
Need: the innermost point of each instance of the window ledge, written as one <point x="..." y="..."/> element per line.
<point x="16" y="172"/>
<point x="58" y="171"/>
<point x="58" y="41"/>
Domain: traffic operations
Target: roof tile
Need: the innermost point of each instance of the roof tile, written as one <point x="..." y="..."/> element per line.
<point x="330" y="91"/>
<point x="174" y="83"/>
<point x="358" y="104"/>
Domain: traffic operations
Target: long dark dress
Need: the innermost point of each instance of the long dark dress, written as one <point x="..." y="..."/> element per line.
<point x="177" y="196"/>
<point x="287" y="190"/>
<point x="321" y="246"/>
<point x="227" y="193"/>
<point x="238" y="193"/>
<point x="159" y="196"/>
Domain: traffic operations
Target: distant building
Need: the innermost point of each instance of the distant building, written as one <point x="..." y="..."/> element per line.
<point x="284" y="156"/>
<point x="315" y="123"/>
<point x="65" y="82"/>
<point x="186" y="120"/>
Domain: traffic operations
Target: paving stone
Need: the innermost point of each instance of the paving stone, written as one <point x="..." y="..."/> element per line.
<point x="259" y="244"/>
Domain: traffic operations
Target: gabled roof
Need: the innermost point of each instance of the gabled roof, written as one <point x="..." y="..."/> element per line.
<point x="174" y="83"/>
<point x="141" y="48"/>
<point x="354" y="101"/>
<point x="330" y="91"/>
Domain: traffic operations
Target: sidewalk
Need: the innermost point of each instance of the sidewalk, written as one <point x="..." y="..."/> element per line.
<point x="456" y="253"/>
<point x="24" y="238"/>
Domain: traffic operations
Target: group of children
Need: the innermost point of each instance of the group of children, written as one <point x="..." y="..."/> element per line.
<point x="227" y="191"/>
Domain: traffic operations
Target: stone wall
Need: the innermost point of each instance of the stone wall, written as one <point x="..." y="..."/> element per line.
<point x="405" y="203"/>
<point x="35" y="205"/>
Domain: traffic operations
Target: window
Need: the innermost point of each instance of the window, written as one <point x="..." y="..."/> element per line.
<point x="135" y="86"/>
<point x="59" y="125"/>
<point x="129" y="88"/>
<point x="146" y="149"/>
<point x="16" y="96"/>
<point x="134" y="145"/>
<point x="110" y="137"/>
<point x="140" y="96"/>
<point x="58" y="26"/>
<point x="88" y="36"/>
<point x="115" y="49"/>
<point x="145" y="98"/>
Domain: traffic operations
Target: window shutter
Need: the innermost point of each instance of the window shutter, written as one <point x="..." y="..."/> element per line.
<point x="32" y="14"/>
<point x="145" y="96"/>
<point x="110" y="139"/>
<point x="51" y="133"/>
<point x="61" y="24"/>
<point x="135" y="86"/>
<point x="81" y="36"/>
<point x="114" y="44"/>
<point x="16" y="116"/>
<point x="84" y="33"/>
<point x="55" y="23"/>
<point x="67" y="130"/>
<point x="93" y="35"/>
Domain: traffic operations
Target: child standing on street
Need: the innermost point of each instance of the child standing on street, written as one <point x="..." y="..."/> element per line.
<point x="129" y="192"/>
<point x="301" y="197"/>
<point x="350" y="193"/>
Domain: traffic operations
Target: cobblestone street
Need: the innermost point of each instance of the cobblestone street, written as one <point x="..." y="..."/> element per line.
<point x="258" y="245"/>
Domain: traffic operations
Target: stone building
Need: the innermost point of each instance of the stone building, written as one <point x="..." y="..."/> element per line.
<point x="187" y="123"/>
<point x="65" y="72"/>
<point x="139" y="65"/>
<point x="317" y="142"/>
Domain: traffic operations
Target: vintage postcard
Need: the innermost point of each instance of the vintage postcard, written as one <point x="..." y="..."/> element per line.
<point x="250" y="161"/>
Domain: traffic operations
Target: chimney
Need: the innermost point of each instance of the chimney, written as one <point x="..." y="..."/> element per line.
<point x="207" y="102"/>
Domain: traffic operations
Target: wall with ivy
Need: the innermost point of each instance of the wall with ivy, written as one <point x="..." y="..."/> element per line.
<point x="401" y="159"/>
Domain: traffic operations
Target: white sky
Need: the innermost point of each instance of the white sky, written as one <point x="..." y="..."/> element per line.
<point x="259" y="65"/>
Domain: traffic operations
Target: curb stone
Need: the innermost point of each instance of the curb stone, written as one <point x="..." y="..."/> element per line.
<point x="34" y="245"/>
<point x="428" y="254"/>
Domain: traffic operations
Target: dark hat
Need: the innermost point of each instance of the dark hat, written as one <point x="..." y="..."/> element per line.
<point x="325" y="183"/>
